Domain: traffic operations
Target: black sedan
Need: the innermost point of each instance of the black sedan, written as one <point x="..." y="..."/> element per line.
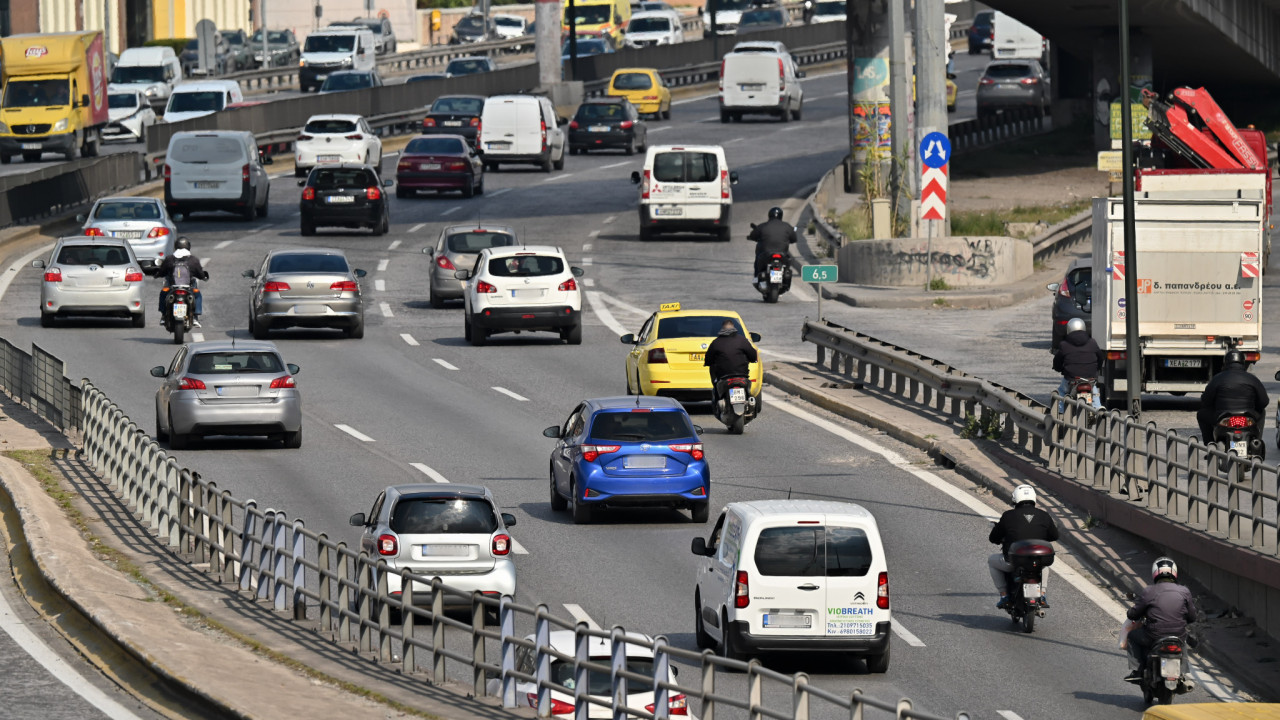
<point x="607" y="123"/>
<point x="347" y="195"/>
<point x="1072" y="298"/>
<point x="455" y="115"/>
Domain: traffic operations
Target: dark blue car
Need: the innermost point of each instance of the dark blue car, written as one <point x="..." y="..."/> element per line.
<point x="628" y="452"/>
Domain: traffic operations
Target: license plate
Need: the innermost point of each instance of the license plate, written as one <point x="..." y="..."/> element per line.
<point x="453" y="123"/>
<point x="649" y="462"/>
<point x="532" y="293"/>
<point x="737" y="395"/>
<point x="207" y="184"/>
<point x="128" y="235"/>
<point x="775" y="276"/>
<point x="787" y="620"/>
<point x="237" y="391"/>
<point x="695" y="356"/>
<point x="1240" y="448"/>
<point x="1031" y="591"/>
<point x="322" y="76"/>
<point x="668" y="211"/>
<point x="329" y="158"/>
<point x="1170" y="667"/>
<point x="1184" y="362"/>
<point x="179" y="310"/>
<point x="497" y="145"/>
<point x="599" y="128"/>
<point x="446" y="550"/>
<point x="429" y="166"/>
<point x="339" y="199"/>
<point x="751" y="87"/>
<point x="32" y="146"/>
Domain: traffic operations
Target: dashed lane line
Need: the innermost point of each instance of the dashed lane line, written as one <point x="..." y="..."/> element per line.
<point x="380" y="285"/>
<point x="408" y="339"/>
<point x="426" y="470"/>
<point x="517" y="548"/>
<point x="496" y="193"/>
<point x="614" y="165"/>
<point x="451" y="210"/>
<point x="386" y="309"/>
<point x="415" y="228"/>
<point x="510" y="394"/>
<point x="593" y="233"/>
<point x="907" y="636"/>
<point x="394" y="244"/>
<point x="561" y="176"/>
<point x="197" y="337"/>
<point x="354" y="433"/>
<point x="608" y="220"/>
<point x="589" y="282"/>
<point x="24" y="261"/>
<point x="663" y="128"/>
<point x="444" y="364"/>
<point x="586" y="261"/>
<point x="383" y="263"/>
<point x="222" y="245"/>
<point x="1009" y="715"/>
<point x="581" y="615"/>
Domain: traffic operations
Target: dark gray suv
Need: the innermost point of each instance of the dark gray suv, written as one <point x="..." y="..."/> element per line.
<point x="1010" y="84"/>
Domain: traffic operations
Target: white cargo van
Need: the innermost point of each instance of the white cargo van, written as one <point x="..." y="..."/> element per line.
<point x="153" y="70"/>
<point x="521" y="129"/>
<point x="756" y="80"/>
<point x="198" y="98"/>
<point x="793" y="575"/>
<point x="1015" y="40"/>
<point x="216" y="170"/>
<point x="333" y="49"/>
<point x="685" y="188"/>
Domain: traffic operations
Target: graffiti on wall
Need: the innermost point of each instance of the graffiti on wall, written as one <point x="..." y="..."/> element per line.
<point x="976" y="259"/>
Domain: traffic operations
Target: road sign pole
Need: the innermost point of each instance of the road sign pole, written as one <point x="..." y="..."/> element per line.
<point x="935" y="153"/>
<point x="1133" y="346"/>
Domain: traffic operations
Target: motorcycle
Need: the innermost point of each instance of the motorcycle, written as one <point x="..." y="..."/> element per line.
<point x="1164" y="672"/>
<point x="735" y="406"/>
<point x="179" y="310"/>
<point x="1025" y="601"/>
<point x="1238" y="433"/>
<point x="775" y="278"/>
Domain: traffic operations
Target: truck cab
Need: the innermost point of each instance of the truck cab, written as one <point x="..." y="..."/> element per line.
<point x="605" y="19"/>
<point x="54" y="96"/>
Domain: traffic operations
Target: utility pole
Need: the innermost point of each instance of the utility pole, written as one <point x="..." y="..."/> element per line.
<point x="573" y="39"/>
<point x="262" y="22"/>
<point x="106" y="25"/>
<point x="901" y="172"/>
<point x="1133" y="356"/>
<point x="547" y="41"/>
<point x="931" y="90"/>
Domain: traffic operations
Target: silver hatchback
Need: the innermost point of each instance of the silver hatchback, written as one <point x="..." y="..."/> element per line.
<point x="142" y="221"/>
<point x="228" y="388"/>
<point x="91" y="276"/>
<point x="307" y="287"/>
<point x="457" y="249"/>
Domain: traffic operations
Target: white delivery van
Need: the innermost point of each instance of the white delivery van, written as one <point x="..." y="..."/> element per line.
<point x="333" y="49"/>
<point x="757" y="80"/>
<point x="1015" y="40"/>
<point x="198" y="98"/>
<point x="216" y="170"/>
<point x="521" y="129"/>
<point x="685" y="188"/>
<point x="153" y="70"/>
<point x="793" y="575"/>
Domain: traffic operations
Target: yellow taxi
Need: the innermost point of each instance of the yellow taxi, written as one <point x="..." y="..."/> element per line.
<point x="644" y="88"/>
<point x="1213" y="711"/>
<point x="666" y="356"/>
<point x="953" y="92"/>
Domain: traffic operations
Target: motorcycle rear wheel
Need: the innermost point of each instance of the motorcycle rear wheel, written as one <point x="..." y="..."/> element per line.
<point x="1028" y="622"/>
<point x="1161" y="695"/>
<point x="737" y="425"/>
<point x="179" y="329"/>
<point x="771" y="295"/>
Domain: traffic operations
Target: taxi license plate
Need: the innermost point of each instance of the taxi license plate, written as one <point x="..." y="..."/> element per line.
<point x="599" y="128"/>
<point x="668" y="211"/>
<point x="32" y="146"/>
<point x="453" y="123"/>
<point x="208" y="184"/>
<point x="339" y="199"/>
<point x="737" y="395"/>
<point x="1183" y="363"/>
<point x="787" y="620"/>
<point x="695" y="356"/>
<point x="328" y="158"/>
<point x="429" y="166"/>
<point x="179" y="311"/>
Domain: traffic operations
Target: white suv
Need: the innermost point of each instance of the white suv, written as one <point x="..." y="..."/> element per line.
<point x="334" y="139"/>
<point x="527" y="287"/>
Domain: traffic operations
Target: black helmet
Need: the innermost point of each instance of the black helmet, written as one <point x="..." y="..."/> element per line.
<point x="182" y="243"/>
<point x="775" y="213"/>
<point x="1233" y="356"/>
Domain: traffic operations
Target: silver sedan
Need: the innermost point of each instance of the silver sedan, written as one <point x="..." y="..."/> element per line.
<point x="457" y="249"/>
<point x="144" y="222"/>
<point x="225" y="388"/>
<point x="310" y="287"/>
<point x="91" y="276"/>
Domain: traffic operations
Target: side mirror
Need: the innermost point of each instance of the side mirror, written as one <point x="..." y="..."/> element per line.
<point x="635" y="177"/>
<point x="698" y="429"/>
<point x="577" y="271"/>
<point x="1278" y="374"/>
<point x="81" y="218"/>
<point x="1052" y="287"/>
<point x="84" y="100"/>
<point x="293" y="369"/>
<point x="357" y="520"/>
<point x="628" y="339"/>
<point x="359" y="273"/>
<point x="178" y="217"/>
<point x="37" y="263"/>
<point x="800" y="75"/>
<point x="675" y="670"/>
<point x="388" y="182"/>
<point x="266" y="159"/>
<point x="552" y="432"/>
<point x="508" y="519"/>
<point x="733" y="177"/>
<point x="249" y="274"/>
<point x="428" y="251"/>
<point x="755" y="337"/>
<point x="462" y="274"/>
<point x="699" y="547"/>
<point x="158" y="371"/>
<point x="302" y="183"/>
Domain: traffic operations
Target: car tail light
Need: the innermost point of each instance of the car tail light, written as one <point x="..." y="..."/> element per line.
<point x="724" y="184"/>
<point x="776" y="257"/>
<point x="591" y="452"/>
<point x="94" y="232"/>
<point x="475" y="123"/>
<point x="484" y="287"/>
<point x="1117" y="355"/>
<point x="626" y="124"/>
<point x="402" y="165"/>
<point x="1062" y="289"/>
<point x="1252" y="356"/>
<point x="244" y="172"/>
<point x="304" y="137"/>
<point x="443" y="262"/>
<point x="429" y="122"/>
<point x="986" y="81"/>
<point x="190" y="383"/>
<point x="309" y="193"/>
<point x="722" y="78"/>
<point x="166" y="171"/>
<point x="357" y="136"/>
<point x="741" y="590"/>
<point x="649" y="97"/>
<point x="345" y="286"/>
<point x="782" y="76"/>
<point x="644" y="186"/>
<point x="568" y="285"/>
<point x="1171" y="648"/>
<point x="53" y="275"/>
<point x="1236" y="422"/>
<point x="677" y="705"/>
<point x="275" y="286"/>
<point x="543" y="125"/>
<point x="158" y="232"/>
<point x="694" y="449"/>
<point x="573" y="124"/>
<point x="558" y="707"/>
<point x="133" y="275"/>
<point x="657" y="355"/>
<point x="501" y="544"/>
<point x="882" y="591"/>
<point x="372" y="193"/>
<point x="282" y="382"/>
<point x="388" y="545"/>
<point x="455" y="165"/>
<point x="1030" y="81"/>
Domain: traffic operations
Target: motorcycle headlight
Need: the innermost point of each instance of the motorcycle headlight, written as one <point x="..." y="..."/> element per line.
<point x="60" y="125"/>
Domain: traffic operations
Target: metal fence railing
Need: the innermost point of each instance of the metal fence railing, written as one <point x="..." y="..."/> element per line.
<point x="58" y="188"/>
<point x="38" y="380"/>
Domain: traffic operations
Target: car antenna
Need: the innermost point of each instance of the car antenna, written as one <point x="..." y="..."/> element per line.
<point x="788" y="493"/>
<point x="233" y="337"/>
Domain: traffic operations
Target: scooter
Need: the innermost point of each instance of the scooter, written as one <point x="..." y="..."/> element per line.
<point x="1082" y="389"/>
<point x="1238" y="433"/>
<point x="1025" y="601"/>
<point x="735" y="406"/>
<point x="179" y="310"/>
<point x="775" y="278"/>
<point x="1164" y="673"/>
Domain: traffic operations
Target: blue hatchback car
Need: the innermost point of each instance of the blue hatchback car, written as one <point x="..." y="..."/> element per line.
<point x="629" y="452"/>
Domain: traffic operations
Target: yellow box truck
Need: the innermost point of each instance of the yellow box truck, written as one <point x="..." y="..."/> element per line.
<point x="54" y="95"/>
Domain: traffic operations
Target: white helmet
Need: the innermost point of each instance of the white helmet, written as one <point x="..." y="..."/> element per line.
<point x="1024" y="493"/>
<point x="1164" y="567"/>
<point x="1076" y="325"/>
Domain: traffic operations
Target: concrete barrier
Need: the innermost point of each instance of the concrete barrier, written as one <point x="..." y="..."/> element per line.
<point x="960" y="261"/>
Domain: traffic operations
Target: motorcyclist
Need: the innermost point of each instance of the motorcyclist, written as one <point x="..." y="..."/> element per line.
<point x="1165" y="607"/>
<point x="1024" y="521"/>
<point x="1233" y="390"/>
<point x="182" y="262"/>
<point x="729" y="355"/>
<point x="774" y="236"/>
<point x="1078" y="357"/>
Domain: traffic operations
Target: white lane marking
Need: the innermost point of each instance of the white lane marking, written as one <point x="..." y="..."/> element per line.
<point x="713" y="118"/>
<point x="383" y="263"/>
<point x="24" y="261"/>
<point x="386" y="309"/>
<point x="771" y="353"/>
<point x="205" y="261"/>
<point x="625" y="305"/>
<point x="731" y="141"/>
<point x="589" y="282"/>
<point x="197" y="337"/>
<point x="593" y="233"/>
<point x="223" y="244"/>
<point x="517" y="548"/>
<point x="581" y="615"/>
<point x="415" y="228"/>
<point x="793" y="127"/>
<point x="586" y="247"/>
<point x="380" y="285"/>
<point x="586" y="261"/>
<point x="496" y="193"/>
<point x="451" y="210"/>
<point x="907" y="636"/>
<point x="408" y="339"/>
<point x="56" y="666"/>
<point x="354" y="433"/>
<point x="561" y="176"/>
<point x="663" y="128"/>
<point x="608" y="220"/>
<point x="1009" y="715"/>
<point x="394" y="244"/>
<point x="510" y="394"/>
<point x="603" y="313"/>
<point x="613" y="165"/>
<point x="426" y="470"/>
<point x="444" y="363"/>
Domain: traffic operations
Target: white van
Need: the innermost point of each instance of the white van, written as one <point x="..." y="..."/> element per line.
<point x="685" y="188"/>
<point x="755" y="79"/>
<point x="1014" y="40"/>
<point x="153" y="70"/>
<point x="198" y="98"/>
<point x="333" y="49"/>
<point x="793" y="575"/>
<point x="521" y="129"/>
<point x="654" y="27"/>
<point x="216" y="170"/>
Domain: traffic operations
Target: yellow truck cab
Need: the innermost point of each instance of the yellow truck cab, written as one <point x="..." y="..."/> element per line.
<point x="54" y="95"/>
<point x="1214" y="711"/>
<point x="605" y="19"/>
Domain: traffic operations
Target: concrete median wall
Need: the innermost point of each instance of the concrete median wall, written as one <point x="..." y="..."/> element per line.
<point x="960" y="261"/>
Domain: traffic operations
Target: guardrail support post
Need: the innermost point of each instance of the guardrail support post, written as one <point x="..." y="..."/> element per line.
<point x="661" y="676"/>
<point x="384" y="609"/>
<point x="408" y="625"/>
<point x="581" y="676"/>
<point x="855" y="704"/>
<point x="800" y="697"/>
<point x="542" y="660"/>
<point x="437" y="631"/>
<point x="326" y="583"/>
<point x="618" y="681"/>
<point x="479" y="618"/>
<point x="507" y="619"/>
<point x="341" y="594"/>
<point x="266" y="554"/>
<point x="299" y="571"/>
<point x="755" y="690"/>
<point x="365" y="586"/>
<point x="1257" y="539"/>
<point x="708" y="686"/>
<point x="248" y="534"/>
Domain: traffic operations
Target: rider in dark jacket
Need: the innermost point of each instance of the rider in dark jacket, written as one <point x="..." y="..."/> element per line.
<point x="1024" y="521"/>
<point x="774" y="236"/>
<point x="728" y="355"/>
<point x="1165" y="606"/>
<point x="1078" y="357"/>
<point x="1234" y="390"/>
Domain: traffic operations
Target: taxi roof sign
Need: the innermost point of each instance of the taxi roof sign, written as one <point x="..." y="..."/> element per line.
<point x="669" y="307"/>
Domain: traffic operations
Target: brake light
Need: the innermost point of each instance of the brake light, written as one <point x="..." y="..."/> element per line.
<point x="132" y="275"/>
<point x="244" y="172"/>
<point x="677" y="705"/>
<point x="591" y="452"/>
<point x="724" y="184"/>
<point x="388" y="545"/>
<point x="501" y="544"/>
<point x="644" y="186"/>
<point x="53" y="275"/>
<point x="625" y="124"/>
<point x="444" y="263"/>
<point x="1117" y="355"/>
<point x="694" y="449"/>
<point x="782" y="77"/>
<point x="428" y="122"/>
<point x="166" y="171"/>
<point x="455" y="165"/>
<point x="357" y="136"/>
<point x="158" y="232"/>
<point x="722" y="78"/>
<point x="1062" y="289"/>
<point x="275" y="286"/>
<point x="1171" y="648"/>
<point x="282" y="382"/>
<point x="741" y="590"/>
<point x="304" y="137"/>
<point x="475" y="123"/>
<point x="558" y="707"/>
<point x="986" y="81"/>
<point x="484" y="287"/>
<point x="657" y="355"/>
<point x="776" y="257"/>
<point x="568" y="285"/>
<point x="190" y="383"/>
<point x="1236" y="422"/>
<point x="882" y="591"/>
<point x="1030" y="81"/>
<point x="345" y="286"/>
<point x="1252" y="357"/>
<point x="372" y="193"/>
<point x="309" y="193"/>
<point x="573" y="124"/>
<point x="94" y="232"/>
<point x="542" y="124"/>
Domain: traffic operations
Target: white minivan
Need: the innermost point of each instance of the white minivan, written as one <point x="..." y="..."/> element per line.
<point x="685" y="188"/>
<point x="216" y="170"/>
<point x="152" y="70"/>
<point x="521" y="129"/>
<point x="335" y="48"/>
<point x="793" y="575"/>
<point x="198" y="98"/>
<point x="757" y="78"/>
<point x="1014" y="39"/>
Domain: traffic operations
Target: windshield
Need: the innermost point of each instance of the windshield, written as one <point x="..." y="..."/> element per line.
<point x="471" y="22"/>
<point x="121" y="101"/>
<point x="632" y="81"/>
<point x="466" y="106"/>
<point x="601" y="111"/>
<point x="138" y="74"/>
<point x="334" y="178"/>
<point x="435" y="145"/>
<point x="598" y="683"/>
<point x="211" y="100"/>
<point x="330" y="126"/>
<point x="834" y="7"/>
<point x="467" y="67"/>
<point x="429" y="516"/>
<point x="641" y="426"/>
<point x="273" y="36"/>
<point x="207" y="150"/>
<point x="344" y="81"/>
<point x="649" y="24"/>
<point x="474" y="242"/>
<point x="761" y="17"/>
<point x="127" y="210"/>
<point x="589" y="14"/>
<point x="233" y="38"/>
<point x="93" y="255"/>
<point x="693" y="326"/>
<point x="329" y="43"/>
<point x="685" y="167"/>
<point x="235" y="363"/>
<point x="589" y="46"/>
<point x="307" y="263"/>
<point x="36" y="93"/>
<point x="507" y="22"/>
<point x="525" y="266"/>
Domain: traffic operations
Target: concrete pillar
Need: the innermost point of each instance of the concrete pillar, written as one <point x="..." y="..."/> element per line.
<point x="869" y="110"/>
<point x="547" y="42"/>
<point x="1106" y="82"/>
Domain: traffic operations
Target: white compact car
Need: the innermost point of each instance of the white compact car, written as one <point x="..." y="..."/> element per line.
<point x="334" y="139"/>
<point x="129" y="114"/>
<point x="521" y="288"/>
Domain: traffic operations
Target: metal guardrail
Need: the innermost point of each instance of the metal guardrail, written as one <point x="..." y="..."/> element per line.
<point x="1062" y="236"/>
<point x="38" y="380"/>
<point x="57" y="188"/>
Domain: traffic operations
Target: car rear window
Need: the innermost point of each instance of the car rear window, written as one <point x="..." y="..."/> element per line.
<point x="234" y="362"/>
<point x="467" y="67"/>
<point x="761" y="17"/>
<point x="600" y="111"/>
<point x="470" y="22"/>
<point x="790" y="551"/>
<point x="197" y="101"/>
<point x="848" y="552"/>
<point x="640" y="426"/>
<point x="207" y="151"/>
<point x="525" y="266"/>
<point x="93" y="255"/>
<point x="352" y="81"/>
<point x="693" y="326"/>
<point x="1008" y="71"/>
<point x="335" y="178"/>
<point x="474" y="242"/>
<point x="467" y="106"/>
<point x="599" y="683"/>
<point x="425" y="516"/>
<point x="329" y="43"/>
<point x="307" y="263"/>
<point x="632" y="81"/>
<point x="685" y="166"/>
<point x="127" y="210"/>
<point x="119" y="101"/>
<point x="431" y="146"/>
<point x="509" y="22"/>
<point x="649" y="24"/>
<point x="330" y="126"/>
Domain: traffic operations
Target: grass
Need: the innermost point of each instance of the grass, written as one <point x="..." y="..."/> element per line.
<point x="979" y="223"/>
<point x="939" y="283"/>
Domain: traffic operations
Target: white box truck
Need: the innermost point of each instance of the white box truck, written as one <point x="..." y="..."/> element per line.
<point x="1199" y="276"/>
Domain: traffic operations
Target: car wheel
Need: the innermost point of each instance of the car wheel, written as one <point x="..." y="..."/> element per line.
<point x="573" y="335"/>
<point x="466" y="329"/>
<point x="382" y="226"/>
<point x="546" y="164"/>
<point x="951" y="108"/>
<point x="307" y="228"/>
<point x="631" y="146"/>
<point x="177" y="441"/>
<point x="161" y="435"/>
<point x="558" y="503"/>
<point x="724" y="116"/>
<point x="46" y="320"/>
<point x="476" y="335"/>
<point x="299" y="172"/>
<point x="139" y="320"/>
<point x="437" y="302"/>
<point x="293" y="440"/>
<point x="727" y="649"/>
<point x="646" y="234"/>
<point x="785" y="116"/>
<point x="250" y="212"/>
<point x="700" y="512"/>
<point x="559" y="164"/>
<point x="573" y="150"/>
<point x="795" y="114"/>
<point x="258" y="330"/>
<point x="469" y="189"/>
<point x="491" y="166"/>
<point x="878" y="664"/>
<point x="581" y="511"/>
<point x="666" y="114"/>
<point x="724" y="234"/>
<point x="700" y="636"/>
<point x="480" y="186"/>
<point x="356" y="331"/>
<point x="266" y="205"/>
<point x="401" y="193"/>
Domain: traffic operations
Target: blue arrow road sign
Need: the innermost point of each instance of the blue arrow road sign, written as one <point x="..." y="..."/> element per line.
<point x="935" y="150"/>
